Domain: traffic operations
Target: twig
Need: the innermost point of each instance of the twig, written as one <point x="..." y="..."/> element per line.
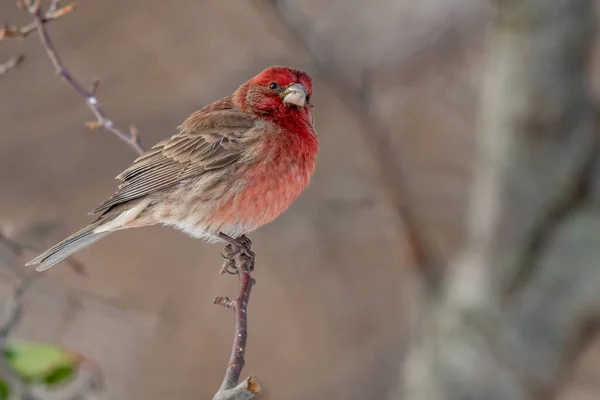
<point x="13" y="313"/>
<point x="13" y="245"/>
<point x="54" y="5"/>
<point x="94" y="384"/>
<point x="391" y="173"/>
<point x="14" y="309"/>
<point x="12" y="318"/>
<point x="53" y="13"/>
<point x="11" y="63"/>
<point x="19" y="249"/>
<point x="92" y="102"/>
<point x="249" y="387"/>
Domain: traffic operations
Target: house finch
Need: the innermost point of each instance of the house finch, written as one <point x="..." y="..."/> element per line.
<point x="234" y="166"/>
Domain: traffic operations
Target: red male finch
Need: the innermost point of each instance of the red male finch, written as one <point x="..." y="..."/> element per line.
<point x="234" y="166"/>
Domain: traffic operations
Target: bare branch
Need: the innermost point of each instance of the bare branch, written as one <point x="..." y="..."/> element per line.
<point x="243" y="265"/>
<point x="53" y="13"/>
<point x="13" y="313"/>
<point x="14" y="308"/>
<point x="11" y="63"/>
<point x="102" y="121"/>
<point x="94" y="385"/>
<point x="12" y="318"/>
<point x="94" y="86"/>
<point x="19" y="249"/>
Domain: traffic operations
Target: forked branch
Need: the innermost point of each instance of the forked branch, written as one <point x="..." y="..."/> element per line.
<point x="40" y="19"/>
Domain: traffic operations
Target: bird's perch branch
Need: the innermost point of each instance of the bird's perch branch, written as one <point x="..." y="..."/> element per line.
<point x="40" y="19"/>
<point x="243" y="265"/>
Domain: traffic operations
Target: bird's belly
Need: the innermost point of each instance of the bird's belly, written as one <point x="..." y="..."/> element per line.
<point x="244" y="212"/>
<point x="260" y="203"/>
<point x="255" y="206"/>
<point x="266" y="191"/>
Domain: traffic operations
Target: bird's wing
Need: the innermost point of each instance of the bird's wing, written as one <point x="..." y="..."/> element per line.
<point x="207" y="140"/>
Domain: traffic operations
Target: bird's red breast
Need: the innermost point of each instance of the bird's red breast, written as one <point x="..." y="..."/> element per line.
<point x="272" y="184"/>
<point x="288" y="148"/>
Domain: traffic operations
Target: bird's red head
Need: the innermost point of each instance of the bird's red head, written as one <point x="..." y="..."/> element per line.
<point x="277" y="93"/>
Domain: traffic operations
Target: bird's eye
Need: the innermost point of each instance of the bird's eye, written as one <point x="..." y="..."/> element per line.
<point x="308" y="98"/>
<point x="273" y="85"/>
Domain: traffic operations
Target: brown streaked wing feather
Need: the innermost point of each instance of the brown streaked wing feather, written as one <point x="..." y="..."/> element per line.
<point x="208" y="140"/>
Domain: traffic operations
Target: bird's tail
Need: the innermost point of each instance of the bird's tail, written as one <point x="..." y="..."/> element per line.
<point x="70" y="245"/>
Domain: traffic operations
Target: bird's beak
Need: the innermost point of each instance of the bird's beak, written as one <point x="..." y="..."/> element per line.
<point x="295" y="94"/>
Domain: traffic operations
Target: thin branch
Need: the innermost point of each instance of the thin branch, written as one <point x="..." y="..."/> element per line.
<point x="19" y="249"/>
<point x="53" y="13"/>
<point x="230" y="389"/>
<point x="94" y="385"/>
<point x="102" y="121"/>
<point x="54" y="5"/>
<point x="392" y="174"/>
<point x="14" y="308"/>
<point x="11" y="63"/>
<point x="12" y="318"/>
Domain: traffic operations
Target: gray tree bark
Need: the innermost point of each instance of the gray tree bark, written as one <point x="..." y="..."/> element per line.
<point x="522" y="301"/>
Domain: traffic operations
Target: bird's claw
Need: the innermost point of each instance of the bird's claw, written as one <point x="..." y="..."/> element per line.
<point x="229" y="263"/>
<point x="244" y="246"/>
<point x="234" y="248"/>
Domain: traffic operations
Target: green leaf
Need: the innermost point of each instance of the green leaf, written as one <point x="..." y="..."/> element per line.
<point x="4" y="390"/>
<point x="40" y="362"/>
<point x="59" y="375"/>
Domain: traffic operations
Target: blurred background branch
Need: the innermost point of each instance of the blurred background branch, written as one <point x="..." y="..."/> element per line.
<point x="392" y="172"/>
<point x="12" y="317"/>
<point x="11" y="63"/>
<point x="20" y="382"/>
<point x="521" y="303"/>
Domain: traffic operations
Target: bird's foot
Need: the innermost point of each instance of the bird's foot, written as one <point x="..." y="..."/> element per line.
<point x="235" y="248"/>
<point x="229" y="263"/>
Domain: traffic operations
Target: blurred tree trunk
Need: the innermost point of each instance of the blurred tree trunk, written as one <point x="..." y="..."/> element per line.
<point x="521" y="303"/>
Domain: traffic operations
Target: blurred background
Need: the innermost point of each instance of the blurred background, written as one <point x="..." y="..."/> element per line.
<point x="327" y="315"/>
